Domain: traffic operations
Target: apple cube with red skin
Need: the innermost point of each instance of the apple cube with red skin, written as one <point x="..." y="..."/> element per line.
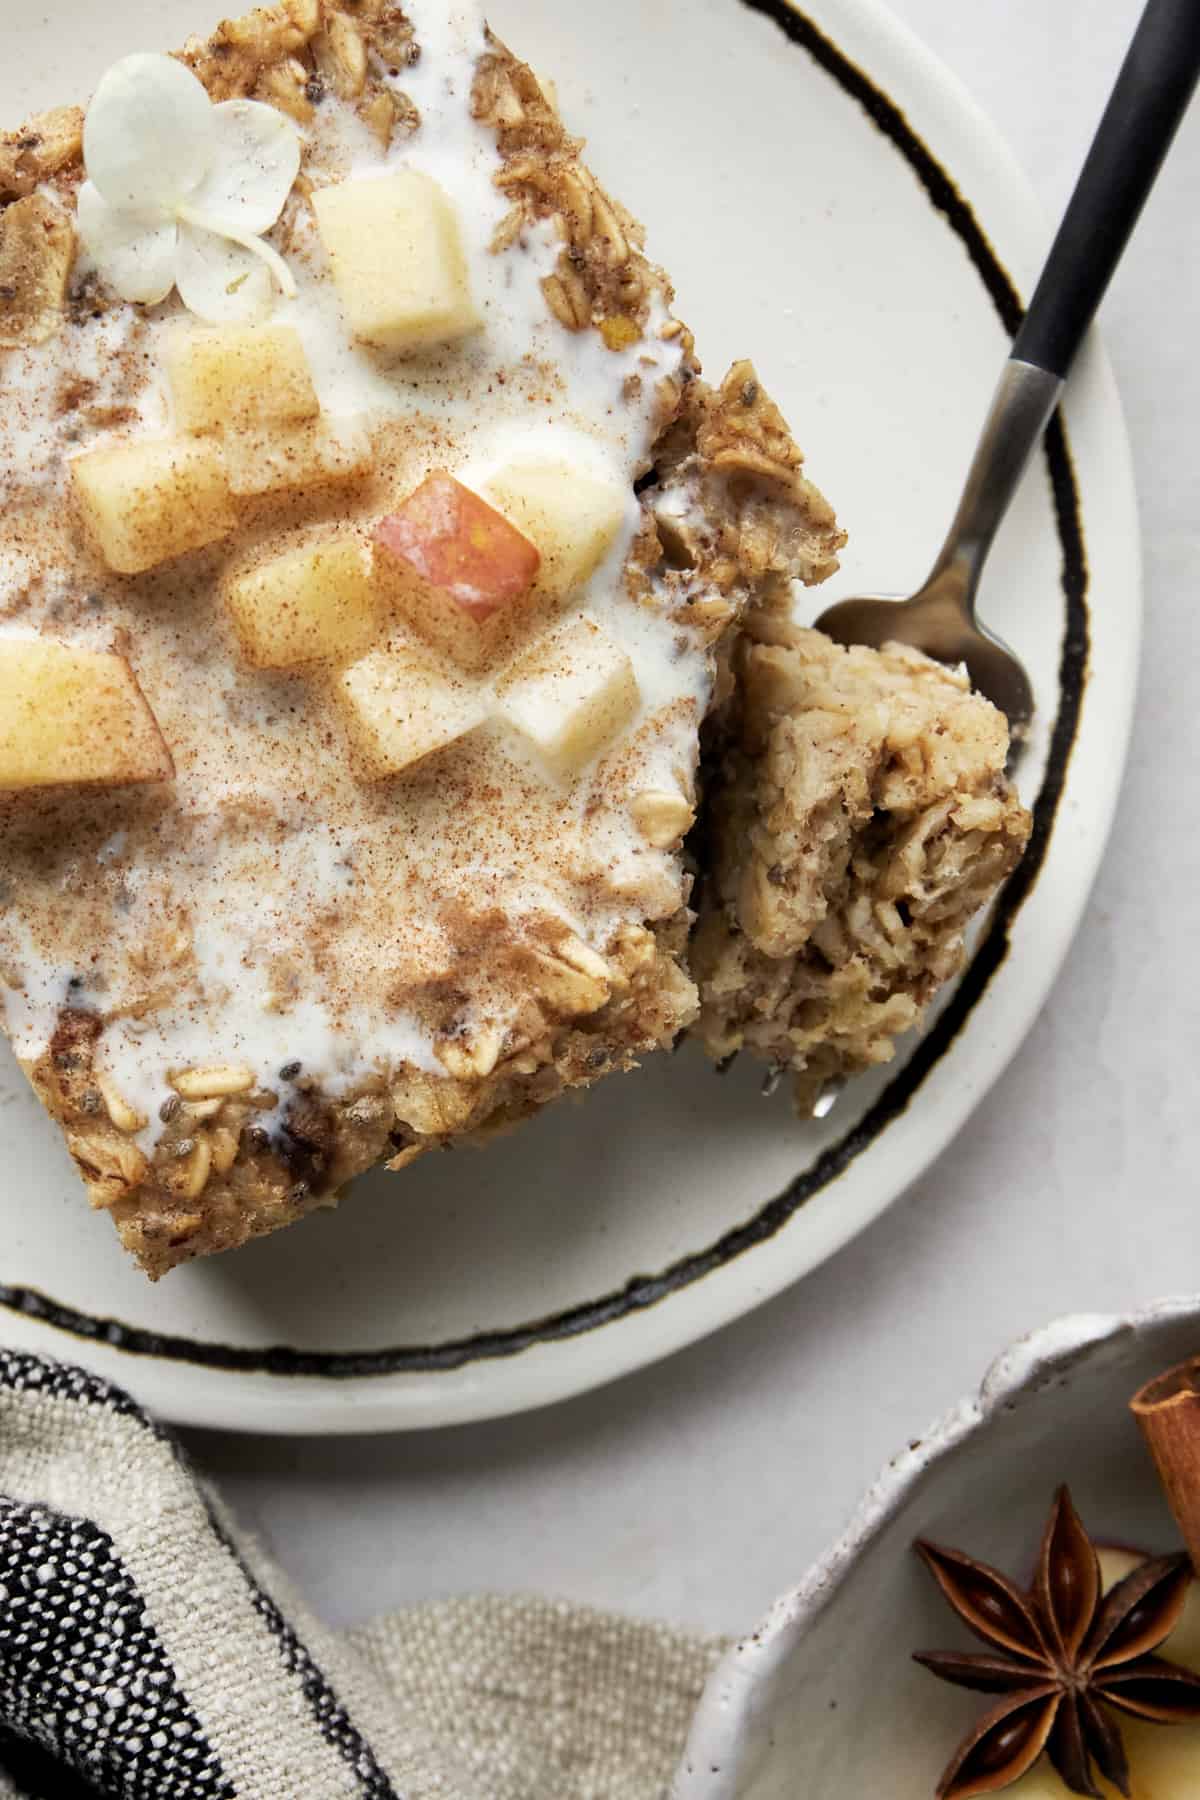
<point x="461" y="574"/>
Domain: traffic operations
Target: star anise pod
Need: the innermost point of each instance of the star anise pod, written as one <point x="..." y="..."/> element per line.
<point x="1063" y="1655"/>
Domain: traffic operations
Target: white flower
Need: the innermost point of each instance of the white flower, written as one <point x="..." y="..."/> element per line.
<point x="180" y="191"/>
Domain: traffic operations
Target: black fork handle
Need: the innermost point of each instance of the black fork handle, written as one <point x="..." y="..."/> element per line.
<point x="1152" y="93"/>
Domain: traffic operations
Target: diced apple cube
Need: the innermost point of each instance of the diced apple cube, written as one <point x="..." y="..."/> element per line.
<point x="317" y="454"/>
<point x="238" y="375"/>
<point x="571" y="695"/>
<point x="402" y="709"/>
<point x="71" y="716"/>
<point x="149" y="502"/>
<point x="460" y="573"/>
<point x="398" y="261"/>
<point x="313" y="604"/>
<point x="572" y="518"/>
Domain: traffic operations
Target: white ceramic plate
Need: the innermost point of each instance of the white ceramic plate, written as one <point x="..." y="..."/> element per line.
<point x="823" y="1700"/>
<point x="829" y="200"/>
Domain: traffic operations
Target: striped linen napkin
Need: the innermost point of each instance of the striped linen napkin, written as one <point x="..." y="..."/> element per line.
<point x="151" y="1651"/>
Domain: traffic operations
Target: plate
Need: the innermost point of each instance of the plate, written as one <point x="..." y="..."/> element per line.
<point x="829" y="200"/>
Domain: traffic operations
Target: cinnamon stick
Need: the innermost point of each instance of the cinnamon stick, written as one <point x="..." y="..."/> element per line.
<point x="1168" y="1412"/>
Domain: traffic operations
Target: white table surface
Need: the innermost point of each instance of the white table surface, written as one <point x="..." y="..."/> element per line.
<point x="696" y="1490"/>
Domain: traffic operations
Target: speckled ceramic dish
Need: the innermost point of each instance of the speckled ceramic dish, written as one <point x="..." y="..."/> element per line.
<point x="822" y="1699"/>
<point x="876" y="213"/>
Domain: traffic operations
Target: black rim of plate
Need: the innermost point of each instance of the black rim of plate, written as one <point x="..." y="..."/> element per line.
<point x="647" y="1290"/>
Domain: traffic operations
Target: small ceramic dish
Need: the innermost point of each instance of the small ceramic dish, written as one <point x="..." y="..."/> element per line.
<point x="823" y="1699"/>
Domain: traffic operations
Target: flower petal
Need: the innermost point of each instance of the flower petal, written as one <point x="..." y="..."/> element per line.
<point x="134" y="252"/>
<point x="255" y="162"/>
<point x="221" y="282"/>
<point x="149" y="134"/>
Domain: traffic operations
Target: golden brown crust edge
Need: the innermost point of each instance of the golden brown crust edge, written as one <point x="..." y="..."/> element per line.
<point x="230" y="1167"/>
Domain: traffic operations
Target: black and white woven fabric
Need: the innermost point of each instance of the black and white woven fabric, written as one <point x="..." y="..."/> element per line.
<point x="150" y="1652"/>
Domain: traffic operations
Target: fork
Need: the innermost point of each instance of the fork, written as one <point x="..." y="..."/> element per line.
<point x="1152" y="93"/>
